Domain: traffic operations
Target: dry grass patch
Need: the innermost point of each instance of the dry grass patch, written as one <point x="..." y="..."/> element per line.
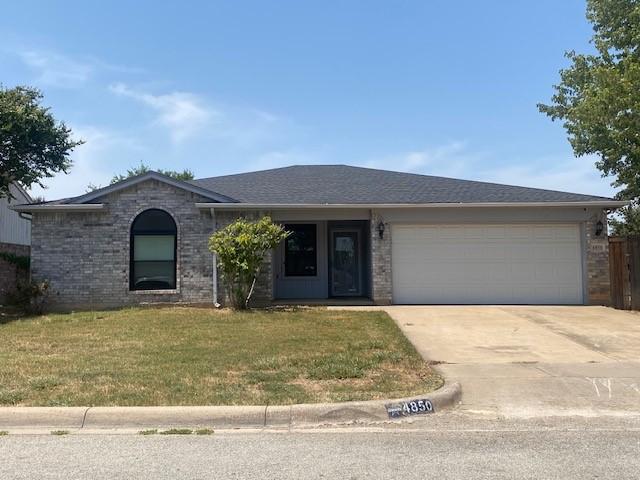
<point x="199" y="356"/>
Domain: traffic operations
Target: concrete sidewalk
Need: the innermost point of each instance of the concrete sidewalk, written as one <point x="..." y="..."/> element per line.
<point x="228" y="417"/>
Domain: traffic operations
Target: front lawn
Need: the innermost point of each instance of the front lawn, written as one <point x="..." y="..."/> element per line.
<point x="199" y="356"/>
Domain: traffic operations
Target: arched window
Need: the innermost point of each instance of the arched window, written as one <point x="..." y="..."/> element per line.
<point x="153" y="251"/>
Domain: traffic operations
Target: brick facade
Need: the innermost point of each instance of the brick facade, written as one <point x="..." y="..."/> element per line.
<point x="381" y="289"/>
<point x="597" y="256"/>
<point x="11" y="274"/>
<point x="85" y="255"/>
<point x="597" y="262"/>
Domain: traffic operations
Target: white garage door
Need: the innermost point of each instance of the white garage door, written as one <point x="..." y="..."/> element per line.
<point x="490" y="264"/>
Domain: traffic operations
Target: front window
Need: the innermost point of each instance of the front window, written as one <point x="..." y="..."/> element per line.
<point x="300" y="259"/>
<point x="153" y="251"/>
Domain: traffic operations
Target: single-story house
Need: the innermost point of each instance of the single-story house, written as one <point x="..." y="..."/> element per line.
<point x="362" y="234"/>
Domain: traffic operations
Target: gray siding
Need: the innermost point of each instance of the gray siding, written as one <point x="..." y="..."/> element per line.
<point x="14" y="229"/>
<point x="303" y="287"/>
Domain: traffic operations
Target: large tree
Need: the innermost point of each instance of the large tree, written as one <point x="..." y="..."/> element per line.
<point x="33" y="144"/>
<point x="598" y="100"/>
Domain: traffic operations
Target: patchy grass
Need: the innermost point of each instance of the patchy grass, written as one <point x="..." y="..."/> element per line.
<point x="152" y="431"/>
<point x="60" y="432"/>
<point x="200" y="356"/>
<point x="176" y="431"/>
<point x="204" y="431"/>
<point x="3" y="433"/>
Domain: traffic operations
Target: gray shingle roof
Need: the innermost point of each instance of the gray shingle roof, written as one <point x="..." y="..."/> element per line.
<point x="343" y="184"/>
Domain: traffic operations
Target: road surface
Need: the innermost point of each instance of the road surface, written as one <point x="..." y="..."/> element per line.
<point x="448" y="447"/>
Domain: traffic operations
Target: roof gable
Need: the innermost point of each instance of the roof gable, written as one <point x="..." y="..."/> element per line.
<point x="129" y="182"/>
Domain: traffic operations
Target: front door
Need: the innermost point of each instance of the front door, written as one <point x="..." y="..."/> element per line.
<point x="345" y="267"/>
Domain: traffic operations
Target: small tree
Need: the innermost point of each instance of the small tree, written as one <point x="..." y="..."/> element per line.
<point x="241" y="247"/>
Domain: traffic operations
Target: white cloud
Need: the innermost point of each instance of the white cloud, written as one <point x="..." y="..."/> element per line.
<point x="104" y="153"/>
<point x="183" y="114"/>
<point x="62" y="71"/>
<point x="189" y="116"/>
<point x="57" y="70"/>
<point x="452" y="159"/>
<point x="564" y="173"/>
<point x="281" y="158"/>
<point x="455" y="159"/>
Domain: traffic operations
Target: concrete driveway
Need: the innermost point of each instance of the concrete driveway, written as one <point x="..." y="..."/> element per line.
<point x="524" y="361"/>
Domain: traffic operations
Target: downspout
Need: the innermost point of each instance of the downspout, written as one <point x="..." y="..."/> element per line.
<point x="214" y="276"/>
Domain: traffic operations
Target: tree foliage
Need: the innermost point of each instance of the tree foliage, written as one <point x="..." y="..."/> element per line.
<point x="184" y="175"/>
<point x="598" y="97"/>
<point x="626" y="221"/>
<point x="33" y="145"/>
<point x="241" y="248"/>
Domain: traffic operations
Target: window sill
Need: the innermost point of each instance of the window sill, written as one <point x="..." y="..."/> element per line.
<point x="155" y="292"/>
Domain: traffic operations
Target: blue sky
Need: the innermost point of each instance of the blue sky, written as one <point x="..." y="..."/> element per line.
<point x="433" y="87"/>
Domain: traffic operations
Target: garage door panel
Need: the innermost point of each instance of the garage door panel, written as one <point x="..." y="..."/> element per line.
<point x="487" y="264"/>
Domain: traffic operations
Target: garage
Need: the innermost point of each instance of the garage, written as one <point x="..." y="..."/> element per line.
<point x="487" y="264"/>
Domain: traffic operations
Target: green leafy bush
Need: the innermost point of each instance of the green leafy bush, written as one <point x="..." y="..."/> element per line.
<point x="241" y="247"/>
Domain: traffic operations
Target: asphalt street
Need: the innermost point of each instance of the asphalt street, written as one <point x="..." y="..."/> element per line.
<point x="449" y="446"/>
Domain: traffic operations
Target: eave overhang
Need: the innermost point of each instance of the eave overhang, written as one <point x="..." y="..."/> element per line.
<point x="609" y="204"/>
<point x="62" y="207"/>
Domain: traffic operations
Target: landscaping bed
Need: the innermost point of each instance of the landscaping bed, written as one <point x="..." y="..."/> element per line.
<point x="201" y="356"/>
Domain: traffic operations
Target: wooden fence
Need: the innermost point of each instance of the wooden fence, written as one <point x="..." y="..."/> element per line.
<point x="624" y="265"/>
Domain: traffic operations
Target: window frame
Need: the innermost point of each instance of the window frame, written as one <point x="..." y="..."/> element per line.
<point x="152" y="232"/>
<point x="291" y="227"/>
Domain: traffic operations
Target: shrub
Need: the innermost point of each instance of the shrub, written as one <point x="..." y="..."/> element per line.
<point x="20" y="261"/>
<point x="30" y="296"/>
<point x="241" y="247"/>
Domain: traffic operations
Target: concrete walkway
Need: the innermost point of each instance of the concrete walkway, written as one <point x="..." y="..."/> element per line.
<point x="532" y="361"/>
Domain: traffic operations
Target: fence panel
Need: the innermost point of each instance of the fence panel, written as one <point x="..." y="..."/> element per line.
<point x="619" y="273"/>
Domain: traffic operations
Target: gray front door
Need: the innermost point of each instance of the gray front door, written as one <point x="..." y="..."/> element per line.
<point x="345" y="268"/>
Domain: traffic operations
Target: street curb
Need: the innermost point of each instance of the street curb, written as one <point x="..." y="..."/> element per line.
<point x="372" y="411"/>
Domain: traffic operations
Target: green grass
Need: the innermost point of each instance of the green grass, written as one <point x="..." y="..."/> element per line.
<point x="200" y="356"/>
<point x="176" y="431"/>
<point x="59" y="432"/>
<point x="3" y="433"/>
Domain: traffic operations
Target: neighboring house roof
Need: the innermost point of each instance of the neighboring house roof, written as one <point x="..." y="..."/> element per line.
<point x="19" y="193"/>
<point x="340" y="185"/>
<point x="343" y="184"/>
